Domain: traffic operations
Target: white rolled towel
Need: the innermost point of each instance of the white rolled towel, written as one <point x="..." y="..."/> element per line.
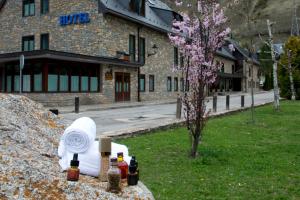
<point x="89" y="161"/>
<point x="78" y="137"/>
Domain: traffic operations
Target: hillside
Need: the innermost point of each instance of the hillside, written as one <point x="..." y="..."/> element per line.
<point x="278" y="11"/>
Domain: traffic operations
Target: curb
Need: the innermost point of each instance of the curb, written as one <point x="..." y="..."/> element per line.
<point x="113" y="108"/>
<point x="134" y="105"/>
<point x="178" y="123"/>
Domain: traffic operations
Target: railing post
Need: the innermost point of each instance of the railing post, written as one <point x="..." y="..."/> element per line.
<point x="215" y="98"/>
<point x="76" y="104"/>
<point x="243" y="101"/>
<point x="179" y="108"/>
<point x="227" y="102"/>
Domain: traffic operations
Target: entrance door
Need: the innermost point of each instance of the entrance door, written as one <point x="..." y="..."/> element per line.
<point x="122" y="87"/>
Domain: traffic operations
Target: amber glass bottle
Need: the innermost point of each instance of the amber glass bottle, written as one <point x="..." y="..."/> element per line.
<point x="73" y="171"/>
<point x="123" y="166"/>
<point x="114" y="177"/>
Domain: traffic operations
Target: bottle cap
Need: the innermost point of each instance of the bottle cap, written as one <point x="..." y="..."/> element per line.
<point x="75" y="161"/>
<point x="132" y="167"/>
<point x="120" y="154"/>
<point x="114" y="161"/>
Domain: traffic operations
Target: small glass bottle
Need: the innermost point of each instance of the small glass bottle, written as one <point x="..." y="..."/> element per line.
<point x="73" y="171"/>
<point x="123" y="166"/>
<point x="114" y="177"/>
<point x="132" y="178"/>
<point x="137" y="166"/>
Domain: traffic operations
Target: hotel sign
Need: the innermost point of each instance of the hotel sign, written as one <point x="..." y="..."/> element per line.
<point x="77" y="18"/>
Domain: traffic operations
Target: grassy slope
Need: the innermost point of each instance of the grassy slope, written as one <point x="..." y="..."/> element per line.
<point x="239" y="161"/>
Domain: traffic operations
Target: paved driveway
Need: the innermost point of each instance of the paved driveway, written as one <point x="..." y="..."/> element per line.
<point x="124" y="120"/>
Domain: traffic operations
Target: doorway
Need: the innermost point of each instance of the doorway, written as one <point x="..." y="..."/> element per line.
<point x="122" y="87"/>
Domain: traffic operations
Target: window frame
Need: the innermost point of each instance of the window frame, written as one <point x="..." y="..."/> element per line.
<point x="151" y="77"/>
<point x="132" y="52"/>
<point x="29" y="3"/>
<point x="169" y="84"/>
<point x="41" y="41"/>
<point x="176" y="54"/>
<point x="142" y="77"/>
<point x="43" y="10"/>
<point x="142" y="50"/>
<point x="175" y="84"/>
<point x="28" y="39"/>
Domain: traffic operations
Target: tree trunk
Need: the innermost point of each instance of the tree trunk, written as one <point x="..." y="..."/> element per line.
<point x="293" y="95"/>
<point x="195" y="144"/>
<point x="275" y="76"/>
<point x="276" y="88"/>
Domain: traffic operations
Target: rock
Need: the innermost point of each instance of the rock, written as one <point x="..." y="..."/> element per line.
<point x="29" y="169"/>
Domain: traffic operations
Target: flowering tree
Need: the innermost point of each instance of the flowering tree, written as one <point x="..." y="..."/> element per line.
<point x="198" y="37"/>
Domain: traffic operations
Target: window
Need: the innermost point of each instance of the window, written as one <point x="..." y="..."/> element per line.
<point x="181" y="60"/>
<point x="52" y="78"/>
<point x="84" y="79"/>
<point x="75" y="79"/>
<point x="175" y="84"/>
<point x="26" y="79"/>
<point x="44" y="41"/>
<point x="132" y="50"/>
<point x="37" y="79"/>
<point x="249" y="72"/>
<point x="137" y="6"/>
<point x="233" y="69"/>
<point x="222" y="68"/>
<point x="142" y="51"/>
<point x="64" y="80"/>
<point x="94" y="82"/>
<point x="169" y="84"/>
<point x="28" y="8"/>
<point x="182" y="85"/>
<point x="151" y="83"/>
<point x="142" y="82"/>
<point x="28" y="43"/>
<point x="16" y="78"/>
<point x="44" y="6"/>
<point x="187" y="87"/>
<point x="175" y="56"/>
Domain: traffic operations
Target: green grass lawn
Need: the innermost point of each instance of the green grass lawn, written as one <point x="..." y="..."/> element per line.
<point x="237" y="160"/>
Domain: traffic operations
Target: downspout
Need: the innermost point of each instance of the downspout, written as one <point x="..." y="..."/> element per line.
<point x="138" y="49"/>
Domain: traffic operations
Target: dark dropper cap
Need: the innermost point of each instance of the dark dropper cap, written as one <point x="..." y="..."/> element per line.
<point x="133" y="165"/>
<point x="75" y="161"/>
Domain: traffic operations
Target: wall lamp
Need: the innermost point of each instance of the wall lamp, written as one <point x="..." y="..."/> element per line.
<point x="155" y="49"/>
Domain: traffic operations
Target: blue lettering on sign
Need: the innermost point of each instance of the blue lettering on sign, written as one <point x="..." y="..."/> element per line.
<point x="77" y="18"/>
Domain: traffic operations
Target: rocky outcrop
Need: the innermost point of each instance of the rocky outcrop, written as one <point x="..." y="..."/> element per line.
<point x="29" y="168"/>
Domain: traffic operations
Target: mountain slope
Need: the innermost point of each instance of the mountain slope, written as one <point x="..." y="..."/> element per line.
<point x="279" y="11"/>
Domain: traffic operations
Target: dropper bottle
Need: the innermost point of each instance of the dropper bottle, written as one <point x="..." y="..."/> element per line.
<point x="73" y="171"/>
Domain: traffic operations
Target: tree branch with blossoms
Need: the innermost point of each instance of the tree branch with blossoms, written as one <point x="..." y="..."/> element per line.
<point x="198" y="37"/>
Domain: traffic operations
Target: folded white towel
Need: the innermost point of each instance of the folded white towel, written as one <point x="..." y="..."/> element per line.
<point x="89" y="161"/>
<point x="79" y="137"/>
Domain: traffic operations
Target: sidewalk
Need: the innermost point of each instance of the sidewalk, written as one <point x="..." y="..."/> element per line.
<point x="101" y="107"/>
<point x="127" y="119"/>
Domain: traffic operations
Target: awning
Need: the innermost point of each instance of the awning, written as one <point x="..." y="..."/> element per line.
<point x="65" y="56"/>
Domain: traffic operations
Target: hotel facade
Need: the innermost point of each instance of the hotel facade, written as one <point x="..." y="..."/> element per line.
<point x="101" y="51"/>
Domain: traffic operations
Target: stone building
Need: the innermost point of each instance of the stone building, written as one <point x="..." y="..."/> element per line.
<point x="101" y="51"/>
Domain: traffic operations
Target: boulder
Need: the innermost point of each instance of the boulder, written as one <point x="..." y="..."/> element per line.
<point x="29" y="169"/>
